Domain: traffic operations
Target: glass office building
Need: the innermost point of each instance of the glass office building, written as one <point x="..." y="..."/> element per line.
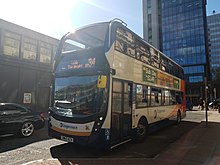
<point x="182" y="29"/>
<point x="214" y="52"/>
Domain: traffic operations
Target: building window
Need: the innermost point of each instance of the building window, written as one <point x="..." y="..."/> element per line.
<point x="194" y="79"/>
<point x="30" y="49"/>
<point x="45" y="53"/>
<point x="11" y="44"/>
<point x="193" y="69"/>
<point x="148" y="4"/>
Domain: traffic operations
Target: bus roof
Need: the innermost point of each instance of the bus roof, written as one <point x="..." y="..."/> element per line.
<point x="94" y="35"/>
<point x="90" y="35"/>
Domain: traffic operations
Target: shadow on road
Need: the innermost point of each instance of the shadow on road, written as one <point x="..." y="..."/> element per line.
<point x="12" y="142"/>
<point x="154" y="144"/>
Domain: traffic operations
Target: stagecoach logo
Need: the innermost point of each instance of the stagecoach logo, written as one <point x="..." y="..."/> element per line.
<point x="62" y="125"/>
<point x="91" y="61"/>
<point x="87" y="127"/>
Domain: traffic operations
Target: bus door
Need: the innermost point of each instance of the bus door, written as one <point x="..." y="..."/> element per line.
<point x="121" y="111"/>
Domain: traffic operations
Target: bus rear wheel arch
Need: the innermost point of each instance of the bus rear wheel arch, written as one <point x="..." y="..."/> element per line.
<point x="178" y="117"/>
<point x="141" y="130"/>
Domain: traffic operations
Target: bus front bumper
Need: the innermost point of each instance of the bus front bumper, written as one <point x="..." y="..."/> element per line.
<point x="94" y="140"/>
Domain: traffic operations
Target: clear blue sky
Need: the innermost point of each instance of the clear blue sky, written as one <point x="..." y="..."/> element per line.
<point x="56" y="17"/>
<point x="213" y="5"/>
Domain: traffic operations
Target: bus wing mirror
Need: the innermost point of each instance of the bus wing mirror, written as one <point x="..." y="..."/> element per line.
<point x="113" y="71"/>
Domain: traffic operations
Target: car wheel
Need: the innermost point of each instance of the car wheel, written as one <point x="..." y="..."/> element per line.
<point x="178" y="117"/>
<point x="142" y="131"/>
<point x="27" y="129"/>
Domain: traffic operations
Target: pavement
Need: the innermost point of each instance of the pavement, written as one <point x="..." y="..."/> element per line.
<point x="199" y="146"/>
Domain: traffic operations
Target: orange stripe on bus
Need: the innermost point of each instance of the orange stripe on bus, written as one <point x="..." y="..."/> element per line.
<point x="71" y="132"/>
<point x="174" y="111"/>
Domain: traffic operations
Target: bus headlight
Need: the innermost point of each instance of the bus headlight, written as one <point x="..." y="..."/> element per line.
<point x="98" y="124"/>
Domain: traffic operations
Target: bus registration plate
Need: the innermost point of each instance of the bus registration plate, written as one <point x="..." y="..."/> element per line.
<point x="67" y="139"/>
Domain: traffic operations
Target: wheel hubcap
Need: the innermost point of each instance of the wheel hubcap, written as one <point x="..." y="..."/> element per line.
<point x="27" y="129"/>
<point x="141" y="130"/>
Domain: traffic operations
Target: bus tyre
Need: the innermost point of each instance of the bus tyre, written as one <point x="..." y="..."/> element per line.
<point x="178" y="117"/>
<point x="141" y="131"/>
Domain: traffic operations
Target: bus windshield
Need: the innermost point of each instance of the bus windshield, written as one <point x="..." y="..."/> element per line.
<point x="88" y="37"/>
<point x="79" y="96"/>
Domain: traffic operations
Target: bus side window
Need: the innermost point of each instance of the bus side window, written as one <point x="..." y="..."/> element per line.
<point x="166" y="97"/>
<point x="141" y="96"/>
<point x="172" y="98"/>
<point x="156" y="97"/>
<point x="179" y="97"/>
<point x="144" y="96"/>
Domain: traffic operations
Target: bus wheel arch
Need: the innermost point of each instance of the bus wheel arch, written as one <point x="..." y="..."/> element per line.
<point x="141" y="130"/>
<point x="178" y="117"/>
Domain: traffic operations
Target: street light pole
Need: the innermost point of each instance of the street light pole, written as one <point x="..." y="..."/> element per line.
<point x="214" y="93"/>
<point x="206" y="101"/>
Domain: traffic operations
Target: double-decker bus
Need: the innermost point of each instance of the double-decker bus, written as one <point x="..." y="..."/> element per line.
<point x="114" y="88"/>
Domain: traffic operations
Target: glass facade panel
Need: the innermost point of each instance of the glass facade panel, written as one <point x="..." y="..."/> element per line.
<point x="183" y="35"/>
<point x="193" y="69"/>
<point x="194" y="79"/>
<point x="214" y="45"/>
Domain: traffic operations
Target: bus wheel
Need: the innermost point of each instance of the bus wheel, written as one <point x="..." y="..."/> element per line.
<point x="141" y="131"/>
<point x="178" y="117"/>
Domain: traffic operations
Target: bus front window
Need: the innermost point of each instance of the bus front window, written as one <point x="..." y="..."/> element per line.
<point x="79" y="95"/>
